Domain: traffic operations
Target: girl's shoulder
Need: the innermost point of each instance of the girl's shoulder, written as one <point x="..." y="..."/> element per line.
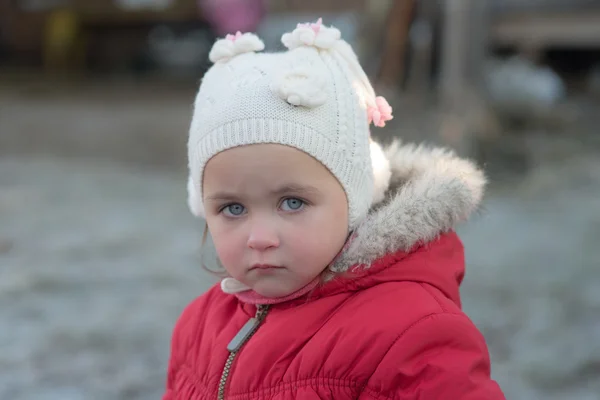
<point x="396" y="306"/>
<point x="198" y="307"/>
<point x="195" y="317"/>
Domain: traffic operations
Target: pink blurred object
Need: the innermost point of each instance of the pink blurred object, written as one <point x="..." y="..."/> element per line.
<point x="226" y="16"/>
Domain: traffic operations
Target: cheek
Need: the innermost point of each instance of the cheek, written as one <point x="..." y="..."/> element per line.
<point x="320" y="240"/>
<point x="226" y="251"/>
<point x="229" y="244"/>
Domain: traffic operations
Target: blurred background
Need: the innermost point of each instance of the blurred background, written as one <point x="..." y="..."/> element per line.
<point x="99" y="254"/>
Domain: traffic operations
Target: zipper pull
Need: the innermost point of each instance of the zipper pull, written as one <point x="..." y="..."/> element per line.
<point x="248" y="329"/>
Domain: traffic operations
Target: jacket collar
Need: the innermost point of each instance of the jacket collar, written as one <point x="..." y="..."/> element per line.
<point x="431" y="191"/>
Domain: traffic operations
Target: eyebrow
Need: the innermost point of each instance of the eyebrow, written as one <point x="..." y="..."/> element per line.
<point x="296" y="189"/>
<point x="293" y="189"/>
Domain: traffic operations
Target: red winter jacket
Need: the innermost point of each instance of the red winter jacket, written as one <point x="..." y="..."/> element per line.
<point x="391" y="327"/>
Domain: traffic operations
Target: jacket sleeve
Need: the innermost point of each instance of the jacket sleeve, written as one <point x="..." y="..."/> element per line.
<point x="442" y="356"/>
<point x="181" y="341"/>
<point x="174" y="360"/>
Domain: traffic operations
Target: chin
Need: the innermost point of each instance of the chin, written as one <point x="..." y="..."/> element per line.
<point x="271" y="291"/>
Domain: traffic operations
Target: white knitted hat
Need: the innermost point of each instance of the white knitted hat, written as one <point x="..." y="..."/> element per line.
<point x="314" y="97"/>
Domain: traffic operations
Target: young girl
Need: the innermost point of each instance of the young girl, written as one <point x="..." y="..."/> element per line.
<point x="343" y="269"/>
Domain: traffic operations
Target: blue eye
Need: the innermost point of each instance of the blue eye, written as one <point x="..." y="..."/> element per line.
<point x="292" y="204"/>
<point x="234" y="210"/>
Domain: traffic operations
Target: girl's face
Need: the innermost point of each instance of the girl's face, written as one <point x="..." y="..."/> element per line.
<point x="277" y="216"/>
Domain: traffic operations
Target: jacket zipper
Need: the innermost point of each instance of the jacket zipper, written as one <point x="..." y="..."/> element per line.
<point x="244" y="334"/>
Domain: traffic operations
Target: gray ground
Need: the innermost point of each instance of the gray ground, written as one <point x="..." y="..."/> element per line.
<point x="98" y="253"/>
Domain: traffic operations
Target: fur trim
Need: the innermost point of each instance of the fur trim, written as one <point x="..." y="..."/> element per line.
<point x="431" y="190"/>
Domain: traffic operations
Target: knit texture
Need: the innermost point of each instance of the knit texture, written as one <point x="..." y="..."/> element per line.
<point x="309" y="97"/>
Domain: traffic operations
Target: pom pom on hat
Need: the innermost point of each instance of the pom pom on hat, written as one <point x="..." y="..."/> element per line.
<point x="232" y="45"/>
<point x="301" y="86"/>
<point x="312" y="34"/>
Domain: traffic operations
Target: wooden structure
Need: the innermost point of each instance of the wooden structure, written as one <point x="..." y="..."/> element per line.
<point x="55" y="33"/>
<point x="314" y="6"/>
<point x="59" y="33"/>
<point x="396" y="42"/>
<point x="533" y="32"/>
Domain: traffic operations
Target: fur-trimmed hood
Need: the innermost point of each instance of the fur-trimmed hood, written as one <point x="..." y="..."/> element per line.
<point x="421" y="194"/>
<point x="431" y="190"/>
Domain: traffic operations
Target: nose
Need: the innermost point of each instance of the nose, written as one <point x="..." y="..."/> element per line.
<point x="263" y="236"/>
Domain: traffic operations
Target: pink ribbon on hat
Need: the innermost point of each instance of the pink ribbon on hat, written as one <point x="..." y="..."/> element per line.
<point x="235" y="37"/>
<point x="316" y="26"/>
<point x="380" y="113"/>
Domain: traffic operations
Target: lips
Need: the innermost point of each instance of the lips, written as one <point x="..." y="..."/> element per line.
<point x="265" y="267"/>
